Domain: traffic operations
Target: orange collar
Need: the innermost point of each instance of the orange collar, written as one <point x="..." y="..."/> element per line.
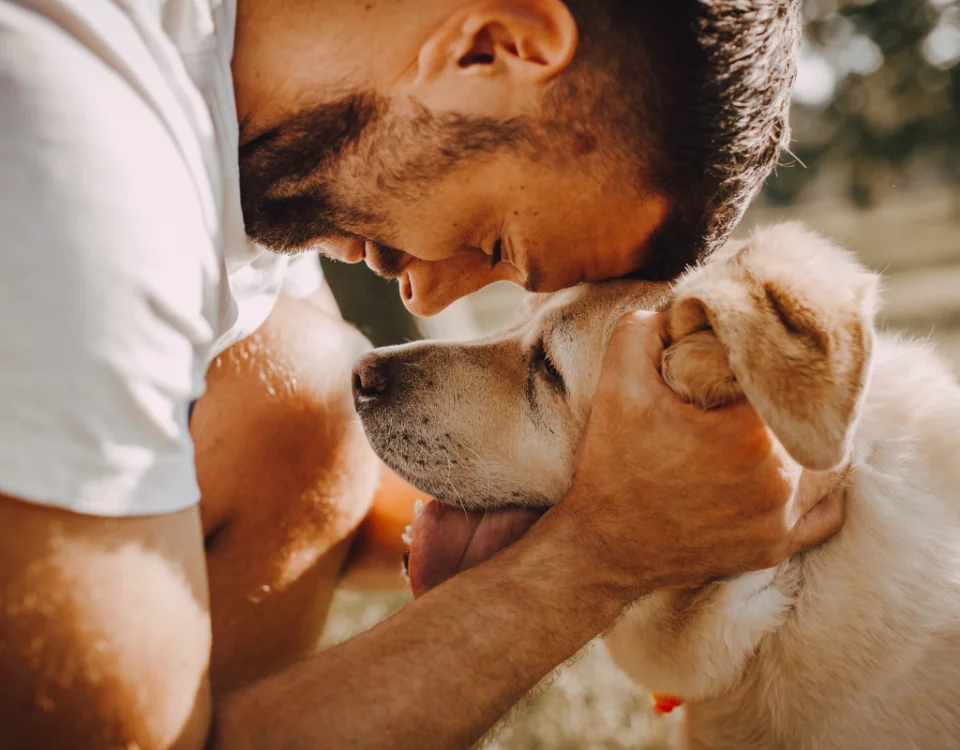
<point x="664" y="704"/>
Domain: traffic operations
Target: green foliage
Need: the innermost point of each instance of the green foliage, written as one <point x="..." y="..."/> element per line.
<point x="893" y="103"/>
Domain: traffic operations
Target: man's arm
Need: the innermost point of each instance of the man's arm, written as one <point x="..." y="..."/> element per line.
<point x="665" y="495"/>
<point x="107" y="282"/>
<point x="95" y="609"/>
<point x="442" y="670"/>
<point x="104" y="630"/>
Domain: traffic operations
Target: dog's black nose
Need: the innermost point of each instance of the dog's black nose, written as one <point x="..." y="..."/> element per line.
<point x="371" y="377"/>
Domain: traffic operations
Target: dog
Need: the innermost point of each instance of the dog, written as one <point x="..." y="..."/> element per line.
<point x="852" y="645"/>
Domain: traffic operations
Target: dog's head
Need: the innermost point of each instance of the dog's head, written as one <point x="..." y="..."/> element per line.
<point x="784" y="319"/>
<point x="496" y="421"/>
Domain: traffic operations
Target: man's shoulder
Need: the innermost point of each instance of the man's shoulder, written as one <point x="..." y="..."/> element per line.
<point x="133" y="83"/>
<point x="114" y="32"/>
<point x="85" y="46"/>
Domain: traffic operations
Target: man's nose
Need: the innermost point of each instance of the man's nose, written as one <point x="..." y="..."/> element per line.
<point x="371" y="379"/>
<point x="426" y="288"/>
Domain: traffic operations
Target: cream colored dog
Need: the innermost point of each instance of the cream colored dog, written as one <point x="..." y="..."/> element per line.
<point x="854" y="645"/>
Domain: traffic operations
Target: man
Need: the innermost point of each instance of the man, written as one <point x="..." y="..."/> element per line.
<point x="448" y="144"/>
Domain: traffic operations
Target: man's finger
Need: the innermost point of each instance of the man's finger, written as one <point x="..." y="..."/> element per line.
<point x="819" y="524"/>
<point x="639" y="336"/>
<point x="635" y="352"/>
<point x="813" y="487"/>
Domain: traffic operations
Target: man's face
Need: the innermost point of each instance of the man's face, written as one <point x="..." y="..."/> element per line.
<point x="535" y="224"/>
<point x="444" y="198"/>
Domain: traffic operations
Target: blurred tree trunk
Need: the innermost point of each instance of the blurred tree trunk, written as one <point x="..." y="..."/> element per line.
<point x="372" y="304"/>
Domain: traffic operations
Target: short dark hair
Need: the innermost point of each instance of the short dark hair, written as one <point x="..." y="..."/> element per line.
<point x="696" y="93"/>
<point x="686" y="97"/>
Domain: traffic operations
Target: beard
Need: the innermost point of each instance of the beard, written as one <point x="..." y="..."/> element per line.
<point x="332" y="170"/>
<point x="286" y="190"/>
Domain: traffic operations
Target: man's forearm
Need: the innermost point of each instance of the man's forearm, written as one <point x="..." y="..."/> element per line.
<point x="442" y="670"/>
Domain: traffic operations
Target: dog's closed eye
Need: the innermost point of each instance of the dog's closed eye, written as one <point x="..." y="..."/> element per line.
<point x="545" y="365"/>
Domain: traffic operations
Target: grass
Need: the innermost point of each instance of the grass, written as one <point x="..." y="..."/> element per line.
<point x="586" y="705"/>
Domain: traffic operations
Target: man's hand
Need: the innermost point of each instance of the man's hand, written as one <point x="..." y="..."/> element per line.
<point x="682" y="495"/>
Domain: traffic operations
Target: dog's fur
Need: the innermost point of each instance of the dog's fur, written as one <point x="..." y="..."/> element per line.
<point x="855" y="644"/>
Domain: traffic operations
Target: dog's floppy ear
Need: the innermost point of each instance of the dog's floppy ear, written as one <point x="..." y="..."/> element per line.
<point x="786" y="320"/>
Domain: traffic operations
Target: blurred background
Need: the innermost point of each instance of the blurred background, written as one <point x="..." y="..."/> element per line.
<point x="874" y="164"/>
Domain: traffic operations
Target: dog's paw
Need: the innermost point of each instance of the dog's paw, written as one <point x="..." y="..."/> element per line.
<point x="786" y="320"/>
<point x="696" y="368"/>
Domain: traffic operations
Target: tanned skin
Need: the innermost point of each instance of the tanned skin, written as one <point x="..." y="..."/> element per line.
<point x="112" y="631"/>
<point x="99" y="660"/>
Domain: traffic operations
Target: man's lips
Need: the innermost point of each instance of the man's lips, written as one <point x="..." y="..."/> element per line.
<point x="446" y="540"/>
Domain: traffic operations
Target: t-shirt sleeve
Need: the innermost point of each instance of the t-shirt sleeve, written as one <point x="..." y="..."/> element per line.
<point x="107" y="277"/>
<point x="303" y="276"/>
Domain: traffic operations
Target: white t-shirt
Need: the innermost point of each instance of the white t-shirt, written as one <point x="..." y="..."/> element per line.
<point x="124" y="266"/>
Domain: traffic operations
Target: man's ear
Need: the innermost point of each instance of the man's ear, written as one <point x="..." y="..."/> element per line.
<point x="791" y="317"/>
<point x="511" y="42"/>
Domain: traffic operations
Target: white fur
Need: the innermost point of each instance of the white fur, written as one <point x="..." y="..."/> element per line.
<point x="854" y="645"/>
<point x="857" y="643"/>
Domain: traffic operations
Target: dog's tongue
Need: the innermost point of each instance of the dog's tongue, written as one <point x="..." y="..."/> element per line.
<point x="445" y="540"/>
